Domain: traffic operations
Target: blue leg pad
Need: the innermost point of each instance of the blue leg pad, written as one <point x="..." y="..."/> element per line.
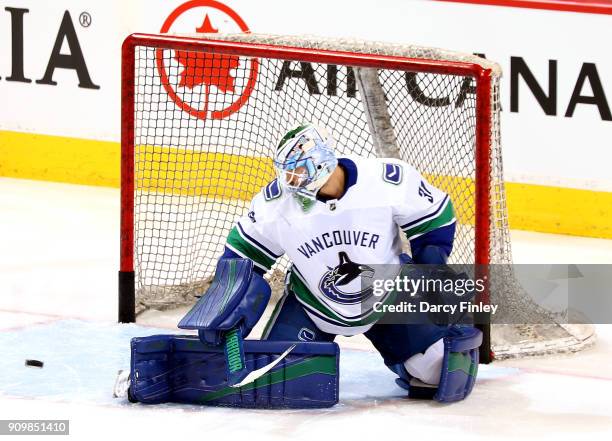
<point x="460" y="365"/>
<point x="181" y="369"/>
<point x="459" y="368"/>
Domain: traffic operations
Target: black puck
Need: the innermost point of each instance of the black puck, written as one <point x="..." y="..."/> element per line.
<point x="34" y="363"/>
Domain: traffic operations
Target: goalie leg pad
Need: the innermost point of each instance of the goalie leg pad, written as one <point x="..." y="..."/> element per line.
<point x="460" y="364"/>
<point x="459" y="368"/>
<point x="180" y="369"/>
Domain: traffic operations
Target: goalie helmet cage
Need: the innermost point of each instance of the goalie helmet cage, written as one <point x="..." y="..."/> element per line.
<point x="201" y="116"/>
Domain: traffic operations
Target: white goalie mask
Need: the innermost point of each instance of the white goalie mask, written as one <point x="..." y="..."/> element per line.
<point x="305" y="159"/>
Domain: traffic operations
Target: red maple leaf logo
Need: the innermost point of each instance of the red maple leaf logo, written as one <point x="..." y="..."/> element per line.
<point x="203" y="68"/>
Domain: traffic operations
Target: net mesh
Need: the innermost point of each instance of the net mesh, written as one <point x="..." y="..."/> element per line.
<point x="206" y="124"/>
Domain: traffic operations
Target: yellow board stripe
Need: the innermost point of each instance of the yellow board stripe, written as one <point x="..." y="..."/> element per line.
<point x="59" y="159"/>
<point x="79" y="161"/>
<point x="559" y="210"/>
<point x="191" y="173"/>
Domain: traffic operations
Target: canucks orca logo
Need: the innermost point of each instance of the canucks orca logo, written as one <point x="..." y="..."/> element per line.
<point x="341" y="276"/>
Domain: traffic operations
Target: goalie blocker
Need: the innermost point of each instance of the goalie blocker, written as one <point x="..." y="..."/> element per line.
<point x="181" y="369"/>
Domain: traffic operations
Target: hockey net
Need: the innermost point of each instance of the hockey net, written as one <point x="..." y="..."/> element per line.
<point x="201" y="118"/>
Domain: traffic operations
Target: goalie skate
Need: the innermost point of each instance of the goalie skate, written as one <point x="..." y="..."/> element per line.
<point x="122" y="384"/>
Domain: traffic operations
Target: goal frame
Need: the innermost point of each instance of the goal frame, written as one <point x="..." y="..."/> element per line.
<point x="483" y="136"/>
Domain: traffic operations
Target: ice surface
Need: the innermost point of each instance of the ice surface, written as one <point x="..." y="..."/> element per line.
<point x="58" y="303"/>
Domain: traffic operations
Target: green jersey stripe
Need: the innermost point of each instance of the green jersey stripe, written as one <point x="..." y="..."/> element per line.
<point x="241" y="246"/>
<point x="434" y="211"/>
<point x="452" y="221"/>
<point x="446" y="217"/>
<point x="311" y="302"/>
<point x="305" y="297"/>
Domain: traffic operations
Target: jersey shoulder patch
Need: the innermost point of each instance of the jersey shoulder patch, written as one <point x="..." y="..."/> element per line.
<point x="272" y="190"/>
<point x="392" y="173"/>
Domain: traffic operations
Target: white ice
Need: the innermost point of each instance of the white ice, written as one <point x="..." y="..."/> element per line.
<point x="58" y="269"/>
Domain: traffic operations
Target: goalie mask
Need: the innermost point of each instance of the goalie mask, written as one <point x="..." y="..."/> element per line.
<point x="305" y="159"/>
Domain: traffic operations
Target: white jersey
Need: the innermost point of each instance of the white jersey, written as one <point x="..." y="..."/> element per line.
<point x="338" y="245"/>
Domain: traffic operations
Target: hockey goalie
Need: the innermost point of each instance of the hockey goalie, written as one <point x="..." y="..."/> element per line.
<point x="338" y="219"/>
